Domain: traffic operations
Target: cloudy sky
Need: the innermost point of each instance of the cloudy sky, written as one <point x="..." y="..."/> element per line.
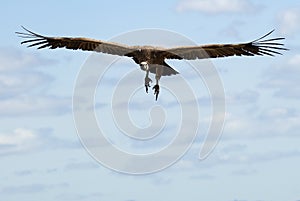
<point x="257" y="157"/>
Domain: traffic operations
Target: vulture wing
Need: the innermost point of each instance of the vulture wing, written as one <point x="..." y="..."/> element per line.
<point x="260" y="46"/>
<point x="87" y="44"/>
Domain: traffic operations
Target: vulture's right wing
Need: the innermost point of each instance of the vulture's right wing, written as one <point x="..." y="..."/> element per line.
<point x="87" y="44"/>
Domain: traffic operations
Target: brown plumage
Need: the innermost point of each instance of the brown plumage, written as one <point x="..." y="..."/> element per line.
<point x="154" y="57"/>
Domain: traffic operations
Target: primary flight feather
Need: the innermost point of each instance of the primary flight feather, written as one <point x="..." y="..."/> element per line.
<point x="152" y="59"/>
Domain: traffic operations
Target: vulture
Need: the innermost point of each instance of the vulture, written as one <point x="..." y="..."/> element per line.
<point x="152" y="59"/>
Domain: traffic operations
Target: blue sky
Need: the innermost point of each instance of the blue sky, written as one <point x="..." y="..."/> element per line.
<point x="257" y="157"/>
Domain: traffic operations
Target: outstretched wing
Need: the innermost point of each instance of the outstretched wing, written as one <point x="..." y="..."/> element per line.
<point x="260" y="46"/>
<point x="87" y="44"/>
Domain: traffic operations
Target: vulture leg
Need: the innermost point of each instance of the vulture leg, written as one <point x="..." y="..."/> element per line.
<point x="157" y="77"/>
<point x="147" y="80"/>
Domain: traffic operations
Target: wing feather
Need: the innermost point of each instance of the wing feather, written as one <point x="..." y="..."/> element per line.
<point x="86" y="44"/>
<point x="257" y="47"/>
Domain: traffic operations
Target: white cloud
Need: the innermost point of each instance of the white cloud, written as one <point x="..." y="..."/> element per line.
<point x="24" y="189"/>
<point x="244" y="172"/>
<point x="18" y="73"/>
<point x="12" y="59"/>
<point x="269" y="122"/>
<point x="295" y="60"/>
<point x="25" y="105"/>
<point x="23" y="87"/>
<point x="284" y="78"/>
<point x="77" y="196"/>
<point x="235" y="125"/>
<point x="244" y="97"/>
<point x="232" y="30"/>
<point x="23" y="140"/>
<point x="19" y="136"/>
<point x="241" y="155"/>
<point x="25" y="172"/>
<point x="278" y="112"/>
<point x="282" y="121"/>
<point x="217" y="6"/>
<point x="18" y="140"/>
<point x="16" y="83"/>
<point x="30" y="188"/>
<point x="81" y="166"/>
<point x="289" y="21"/>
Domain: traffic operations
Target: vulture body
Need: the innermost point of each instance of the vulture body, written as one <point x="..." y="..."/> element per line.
<point x="152" y="59"/>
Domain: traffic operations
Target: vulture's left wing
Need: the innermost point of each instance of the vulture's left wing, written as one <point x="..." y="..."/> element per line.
<point x="260" y="46"/>
<point x="87" y="44"/>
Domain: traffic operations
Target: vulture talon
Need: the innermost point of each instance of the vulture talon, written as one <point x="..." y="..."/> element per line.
<point x="156" y="91"/>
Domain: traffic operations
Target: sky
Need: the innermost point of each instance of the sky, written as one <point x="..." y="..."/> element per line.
<point x="257" y="157"/>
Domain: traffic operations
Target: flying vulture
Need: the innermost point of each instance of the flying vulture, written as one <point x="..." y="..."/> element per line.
<point x="152" y="59"/>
